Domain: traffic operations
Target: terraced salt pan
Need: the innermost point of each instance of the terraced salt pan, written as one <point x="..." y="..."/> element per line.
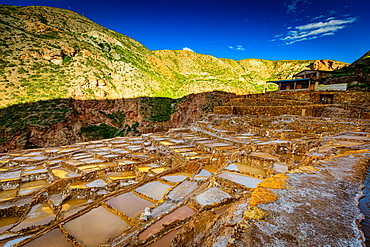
<point x="264" y="156"/>
<point x="29" y="187"/>
<point x="98" y="183"/>
<point x="7" y="195"/>
<point x="182" y="190"/>
<point x="160" y="169"/>
<point x="130" y="204"/>
<point x="7" y="222"/>
<point x="179" y="214"/>
<point x="246" y="168"/>
<point x="212" y="195"/>
<point x="39" y="214"/>
<point x="203" y="174"/>
<point x="96" y="227"/>
<point x="240" y="179"/>
<point x="54" y="238"/>
<point x="64" y="173"/>
<point x="35" y="171"/>
<point x="177" y="177"/>
<point x="121" y="175"/>
<point x="8" y="176"/>
<point x="154" y="190"/>
<point x="73" y="203"/>
<point x="15" y="241"/>
<point x="165" y="240"/>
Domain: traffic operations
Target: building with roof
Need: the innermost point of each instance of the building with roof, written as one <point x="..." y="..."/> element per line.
<point x="308" y="80"/>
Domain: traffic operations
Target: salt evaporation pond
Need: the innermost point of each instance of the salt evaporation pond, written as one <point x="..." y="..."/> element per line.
<point x="246" y="168"/>
<point x="40" y="214"/>
<point x="212" y="195"/>
<point x="154" y="190"/>
<point x="240" y="179"/>
<point x="179" y="214"/>
<point x="130" y="204"/>
<point x="177" y="177"/>
<point x="96" y="227"/>
<point x="54" y="238"/>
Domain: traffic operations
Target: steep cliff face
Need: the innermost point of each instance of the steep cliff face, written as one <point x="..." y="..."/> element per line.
<point x="63" y="122"/>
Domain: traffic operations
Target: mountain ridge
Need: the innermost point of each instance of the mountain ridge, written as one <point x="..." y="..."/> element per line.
<point x="50" y="53"/>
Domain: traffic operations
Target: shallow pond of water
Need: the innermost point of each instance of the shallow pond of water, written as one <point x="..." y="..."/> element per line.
<point x="29" y="187"/>
<point x="7" y="222"/>
<point x="165" y="241"/>
<point x="96" y="227"/>
<point x="64" y="173"/>
<point x="246" y="168"/>
<point x="8" y="176"/>
<point x="54" y="238"/>
<point x="121" y="175"/>
<point x="182" y="190"/>
<point x="155" y="189"/>
<point x="98" y="183"/>
<point x="39" y="214"/>
<point x="14" y="241"/>
<point x="177" y="177"/>
<point x="203" y="174"/>
<point x="240" y="179"/>
<point x="130" y="204"/>
<point x="7" y="195"/>
<point x="73" y="203"/>
<point x="179" y="214"/>
<point x="160" y="169"/>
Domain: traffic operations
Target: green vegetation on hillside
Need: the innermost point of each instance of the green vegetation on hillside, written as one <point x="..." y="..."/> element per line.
<point x="41" y="115"/>
<point x="49" y="53"/>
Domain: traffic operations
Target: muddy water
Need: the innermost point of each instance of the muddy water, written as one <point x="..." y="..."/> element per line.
<point x="96" y="227"/>
<point x="53" y="238"/>
<point x="365" y="209"/>
<point x="165" y="240"/>
<point x="179" y="214"/>
<point x="130" y="204"/>
<point x="155" y="189"/>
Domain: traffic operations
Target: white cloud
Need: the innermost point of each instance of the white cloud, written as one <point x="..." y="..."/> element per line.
<point x="187" y="49"/>
<point x="315" y="30"/>
<point x="330" y="23"/>
<point x="291" y="5"/>
<point x="237" y="48"/>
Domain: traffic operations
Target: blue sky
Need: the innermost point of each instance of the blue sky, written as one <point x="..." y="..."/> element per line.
<point x="236" y="29"/>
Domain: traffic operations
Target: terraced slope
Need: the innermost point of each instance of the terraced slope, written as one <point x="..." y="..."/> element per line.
<point x="240" y="180"/>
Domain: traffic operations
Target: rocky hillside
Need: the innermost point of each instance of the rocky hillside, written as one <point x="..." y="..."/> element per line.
<point x="50" y="53"/>
<point x="356" y="75"/>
